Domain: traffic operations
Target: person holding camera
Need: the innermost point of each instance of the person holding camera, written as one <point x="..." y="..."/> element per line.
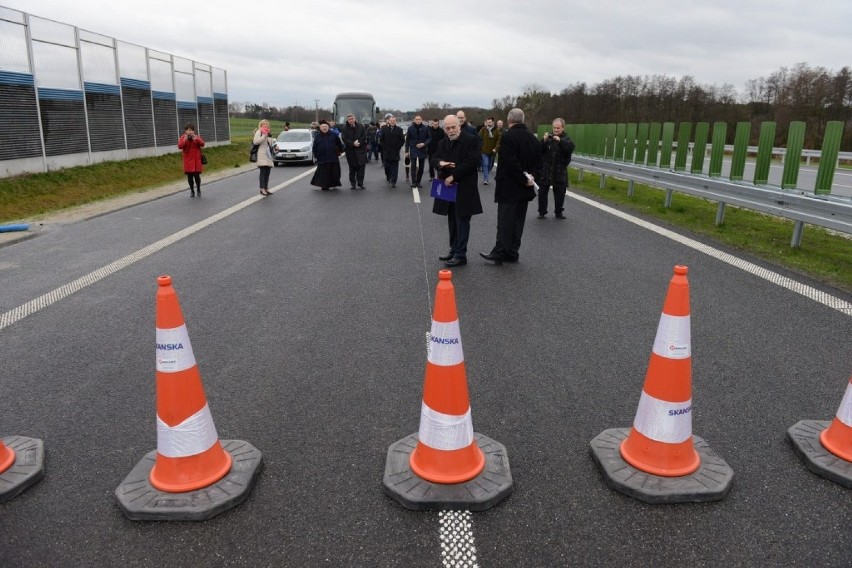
<point x="191" y="143"/>
<point x="265" y="161"/>
<point x="556" y="151"/>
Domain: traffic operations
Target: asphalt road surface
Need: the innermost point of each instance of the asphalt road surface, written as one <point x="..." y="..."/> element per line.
<point x="307" y="312"/>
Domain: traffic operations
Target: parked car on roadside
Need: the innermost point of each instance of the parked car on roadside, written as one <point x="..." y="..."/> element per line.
<point x="294" y="145"/>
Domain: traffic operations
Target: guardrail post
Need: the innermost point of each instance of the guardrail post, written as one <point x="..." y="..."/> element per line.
<point x="580" y="174"/>
<point x="828" y="157"/>
<point x="764" y="153"/>
<point x="717" y="152"/>
<point x="683" y="134"/>
<point x="668" y="202"/>
<point x="668" y="142"/>
<point x="602" y="184"/>
<point x="720" y="213"/>
<point x="793" y="157"/>
<point x="700" y="149"/>
<point x="738" y="159"/>
<point x="630" y="187"/>
<point x="798" y="229"/>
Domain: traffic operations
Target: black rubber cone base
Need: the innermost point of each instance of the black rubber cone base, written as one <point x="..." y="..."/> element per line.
<point x="27" y="469"/>
<point x="710" y="482"/>
<point x="805" y="437"/>
<point x="481" y="493"/>
<point x="140" y="501"/>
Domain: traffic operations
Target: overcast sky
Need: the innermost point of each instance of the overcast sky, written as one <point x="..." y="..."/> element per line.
<point x="466" y="53"/>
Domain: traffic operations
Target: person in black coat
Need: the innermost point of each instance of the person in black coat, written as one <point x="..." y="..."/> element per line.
<point x="457" y="157"/>
<point x="392" y="139"/>
<point x="354" y="137"/>
<point x="520" y="163"/>
<point x="436" y="134"/>
<point x="327" y="149"/>
<point x="556" y="151"/>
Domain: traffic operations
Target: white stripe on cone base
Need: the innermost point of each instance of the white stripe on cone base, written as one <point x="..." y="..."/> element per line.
<point x="844" y="413"/>
<point x="191" y="437"/>
<point x="673" y="337"/>
<point x="663" y="421"/>
<point x="445" y="431"/>
<point x="446" y="346"/>
<point x="174" y="351"/>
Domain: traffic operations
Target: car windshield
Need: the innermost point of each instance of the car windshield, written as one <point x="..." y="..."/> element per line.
<point x="293" y="136"/>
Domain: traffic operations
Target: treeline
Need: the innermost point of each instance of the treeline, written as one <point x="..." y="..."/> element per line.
<point x="814" y="95"/>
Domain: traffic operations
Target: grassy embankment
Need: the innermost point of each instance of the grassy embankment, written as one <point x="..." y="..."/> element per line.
<point x="824" y="256"/>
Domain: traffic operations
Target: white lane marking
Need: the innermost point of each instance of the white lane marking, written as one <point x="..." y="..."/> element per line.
<point x="17" y="314"/>
<point x="458" y="549"/>
<point x="832" y="302"/>
<point x="416" y="194"/>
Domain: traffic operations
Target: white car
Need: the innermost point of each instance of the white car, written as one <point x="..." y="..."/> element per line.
<point x="294" y="145"/>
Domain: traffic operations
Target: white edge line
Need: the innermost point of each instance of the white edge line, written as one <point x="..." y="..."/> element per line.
<point x="17" y="314"/>
<point x="824" y="298"/>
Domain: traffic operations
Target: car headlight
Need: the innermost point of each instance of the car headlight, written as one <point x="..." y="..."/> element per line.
<point x="305" y="149"/>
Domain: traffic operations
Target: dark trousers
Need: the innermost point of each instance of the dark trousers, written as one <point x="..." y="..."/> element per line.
<point x="194" y="179"/>
<point x="356" y="172"/>
<point x="459" y="233"/>
<point x="264" y="176"/>
<point x="558" y="199"/>
<point x="417" y="165"/>
<point x="433" y="165"/>
<point x="510" y="228"/>
<point x="392" y="170"/>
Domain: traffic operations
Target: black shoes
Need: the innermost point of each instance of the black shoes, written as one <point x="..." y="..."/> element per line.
<point x="361" y="187"/>
<point x="453" y="262"/>
<point x="192" y="193"/>
<point x="542" y="215"/>
<point x="492" y="258"/>
<point x="560" y="216"/>
<point x="445" y="257"/>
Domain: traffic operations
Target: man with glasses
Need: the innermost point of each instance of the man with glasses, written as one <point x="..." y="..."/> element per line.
<point x="457" y="157"/>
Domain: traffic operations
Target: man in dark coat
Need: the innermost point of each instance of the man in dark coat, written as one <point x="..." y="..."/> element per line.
<point x="354" y="137"/>
<point x="392" y="139"/>
<point x="417" y="146"/>
<point x="556" y="150"/>
<point x="457" y="157"/>
<point x="520" y="163"/>
<point x="436" y="134"/>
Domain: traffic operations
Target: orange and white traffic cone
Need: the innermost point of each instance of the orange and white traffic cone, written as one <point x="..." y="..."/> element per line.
<point x="431" y="470"/>
<point x="189" y="455"/>
<point x="661" y="443"/>
<point x="820" y="442"/>
<point x="21" y="465"/>
<point x="837" y="438"/>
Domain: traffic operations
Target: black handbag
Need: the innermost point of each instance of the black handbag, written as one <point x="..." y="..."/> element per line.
<point x="203" y="159"/>
<point x="253" y="152"/>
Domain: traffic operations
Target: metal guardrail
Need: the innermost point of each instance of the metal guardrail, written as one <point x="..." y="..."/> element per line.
<point x="782" y="153"/>
<point x="800" y="206"/>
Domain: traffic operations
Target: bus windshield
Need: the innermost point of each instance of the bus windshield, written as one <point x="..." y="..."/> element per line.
<point x="362" y="106"/>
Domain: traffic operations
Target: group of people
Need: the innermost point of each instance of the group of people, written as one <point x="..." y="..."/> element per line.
<point x="525" y="164"/>
<point x="456" y="152"/>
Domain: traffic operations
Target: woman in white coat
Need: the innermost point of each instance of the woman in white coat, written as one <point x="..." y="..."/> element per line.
<point x="265" y="162"/>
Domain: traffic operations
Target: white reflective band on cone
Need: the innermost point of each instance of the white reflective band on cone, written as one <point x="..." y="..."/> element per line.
<point x="445" y="431"/>
<point x="174" y="351"/>
<point x="673" y="337"/>
<point x="446" y="347"/>
<point x="194" y="435"/>
<point x="844" y="413"/>
<point x="663" y="421"/>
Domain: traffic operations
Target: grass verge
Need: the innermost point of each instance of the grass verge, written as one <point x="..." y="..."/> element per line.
<point x="824" y="256"/>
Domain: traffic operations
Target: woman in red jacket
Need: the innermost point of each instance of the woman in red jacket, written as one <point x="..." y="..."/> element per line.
<point x="191" y="143"/>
